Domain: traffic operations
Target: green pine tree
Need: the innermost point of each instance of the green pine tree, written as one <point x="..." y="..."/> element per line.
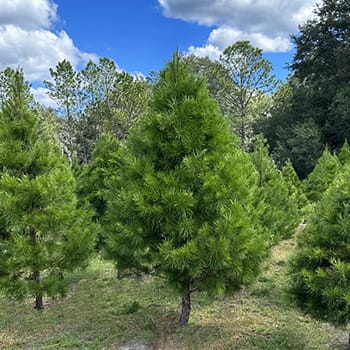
<point x="43" y="232"/>
<point x="184" y="193"/>
<point x="276" y="205"/>
<point x="320" y="268"/>
<point x="319" y="180"/>
<point x="94" y="177"/>
<point x="344" y="154"/>
<point x="295" y="187"/>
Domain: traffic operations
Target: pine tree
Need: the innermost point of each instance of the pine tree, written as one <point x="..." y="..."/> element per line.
<point x="183" y="196"/>
<point x="276" y="206"/>
<point x="320" y="268"/>
<point x="344" y="154"/>
<point x="43" y="232"/>
<point x="94" y="177"/>
<point x="295" y="187"/>
<point x="319" y="180"/>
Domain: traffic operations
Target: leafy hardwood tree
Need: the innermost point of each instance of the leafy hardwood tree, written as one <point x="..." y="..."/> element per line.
<point x="43" y="234"/>
<point x="323" y="47"/>
<point x="291" y="130"/>
<point x="320" y="268"/>
<point x="337" y="128"/>
<point x="321" y="63"/>
<point x="319" y="97"/>
<point x="302" y="144"/>
<point x="184" y="194"/>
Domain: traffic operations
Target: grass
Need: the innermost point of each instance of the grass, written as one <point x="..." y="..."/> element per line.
<point x="102" y="312"/>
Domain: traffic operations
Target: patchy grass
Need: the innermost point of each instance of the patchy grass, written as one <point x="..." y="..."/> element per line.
<point x="102" y="312"/>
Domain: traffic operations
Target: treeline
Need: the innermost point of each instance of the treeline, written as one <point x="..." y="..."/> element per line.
<point x="191" y="174"/>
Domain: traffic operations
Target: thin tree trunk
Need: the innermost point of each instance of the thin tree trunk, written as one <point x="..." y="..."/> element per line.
<point x="186" y="309"/>
<point x="36" y="277"/>
<point x="242" y="133"/>
<point x="38" y="296"/>
<point x="348" y="348"/>
<point x="39" y="302"/>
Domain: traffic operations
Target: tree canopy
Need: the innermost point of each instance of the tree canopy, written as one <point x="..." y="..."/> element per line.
<point x="251" y="80"/>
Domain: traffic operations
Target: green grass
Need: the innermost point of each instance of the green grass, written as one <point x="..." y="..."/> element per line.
<point x="102" y="312"/>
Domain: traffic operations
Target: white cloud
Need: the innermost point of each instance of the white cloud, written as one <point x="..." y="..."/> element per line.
<point x="206" y="51"/>
<point x="29" y="14"/>
<point x="36" y="50"/>
<point x="28" y="39"/>
<point x="225" y="36"/>
<point x="40" y="95"/>
<point x="266" y="24"/>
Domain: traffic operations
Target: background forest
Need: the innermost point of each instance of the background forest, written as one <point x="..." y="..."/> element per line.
<point x="193" y="181"/>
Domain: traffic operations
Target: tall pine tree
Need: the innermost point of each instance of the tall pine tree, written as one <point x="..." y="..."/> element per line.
<point x="43" y="234"/>
<point x="181" y="207"/>
<point x="320" y="268"/>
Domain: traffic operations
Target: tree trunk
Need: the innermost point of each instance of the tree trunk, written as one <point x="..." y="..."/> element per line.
<point x="36" y="277"/>
<point x="38" y="302"/>
<point x="348" y="348"/>
<point x="186" y="309"/>
<point x="243" y="133"/>
<point x="38" y="296"/>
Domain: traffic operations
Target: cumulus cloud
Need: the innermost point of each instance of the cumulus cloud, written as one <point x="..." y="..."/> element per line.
<point x="266" y="24"/>
<point x="36" y="50"/>
<point x="40" y="95"/>
<point x="225" y="36"/>
<point x="29" y="14"/>
<point x="208" y="50"/>
<point x="28" y="39"/>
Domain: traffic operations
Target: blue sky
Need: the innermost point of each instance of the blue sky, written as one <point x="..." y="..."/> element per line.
<point x="141" y="35"/>
<point x="134" y="32"/>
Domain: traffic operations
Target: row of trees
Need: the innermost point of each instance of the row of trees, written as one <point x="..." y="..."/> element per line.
<point x="177" y="194"/>
<point x="100" y="98"/>
<point x="299" y="118"/>
<point x="178" y="198"/>
<point x="320" y="267"/>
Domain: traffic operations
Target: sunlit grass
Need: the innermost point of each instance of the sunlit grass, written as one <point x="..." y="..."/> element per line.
<point x="102" y="312"/>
